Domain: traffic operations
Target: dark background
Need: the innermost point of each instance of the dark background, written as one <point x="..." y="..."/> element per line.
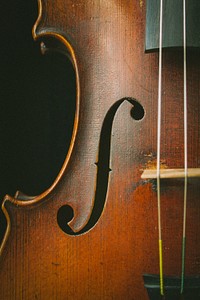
<point x="37" y="103"/>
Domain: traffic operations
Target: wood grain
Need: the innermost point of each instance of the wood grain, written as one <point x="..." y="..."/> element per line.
<point x="105" y="40"/>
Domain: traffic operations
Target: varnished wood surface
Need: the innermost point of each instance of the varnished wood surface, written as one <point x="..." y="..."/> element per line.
<point x="36" y="106"/>
<point x="38" y="260"/>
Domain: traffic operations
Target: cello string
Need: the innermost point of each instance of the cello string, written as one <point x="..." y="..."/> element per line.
<point x="158" y="149"/>
<point x="185" y="148"/>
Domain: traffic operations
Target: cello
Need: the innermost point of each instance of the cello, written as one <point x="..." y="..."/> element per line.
<point x="121" y="220"/>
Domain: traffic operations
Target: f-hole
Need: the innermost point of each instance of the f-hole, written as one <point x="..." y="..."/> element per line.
<point x="65" y="213"/>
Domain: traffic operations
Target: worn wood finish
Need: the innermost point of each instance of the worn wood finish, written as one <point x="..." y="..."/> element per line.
<point x="103" y="255"/>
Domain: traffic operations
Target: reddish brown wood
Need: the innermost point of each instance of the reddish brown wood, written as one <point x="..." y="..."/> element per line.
<point x="38" y="260"/>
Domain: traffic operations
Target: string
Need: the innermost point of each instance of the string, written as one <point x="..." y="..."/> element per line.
<point x="158" y="149"/>
<point x="185" y="150"/>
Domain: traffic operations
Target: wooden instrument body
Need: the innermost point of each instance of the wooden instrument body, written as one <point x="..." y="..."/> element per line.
<point x="38" y="260"/>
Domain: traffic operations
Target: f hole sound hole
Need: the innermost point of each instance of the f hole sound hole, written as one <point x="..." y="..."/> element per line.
<point x="65" y="213"/>
<point x="137" y="112"/>
<point x="64" y="216"/>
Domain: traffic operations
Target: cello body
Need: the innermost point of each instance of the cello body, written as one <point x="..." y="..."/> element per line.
<point x="93" y="234"/>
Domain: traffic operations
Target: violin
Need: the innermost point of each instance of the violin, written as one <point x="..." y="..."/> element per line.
<point x="121" y="219"/>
